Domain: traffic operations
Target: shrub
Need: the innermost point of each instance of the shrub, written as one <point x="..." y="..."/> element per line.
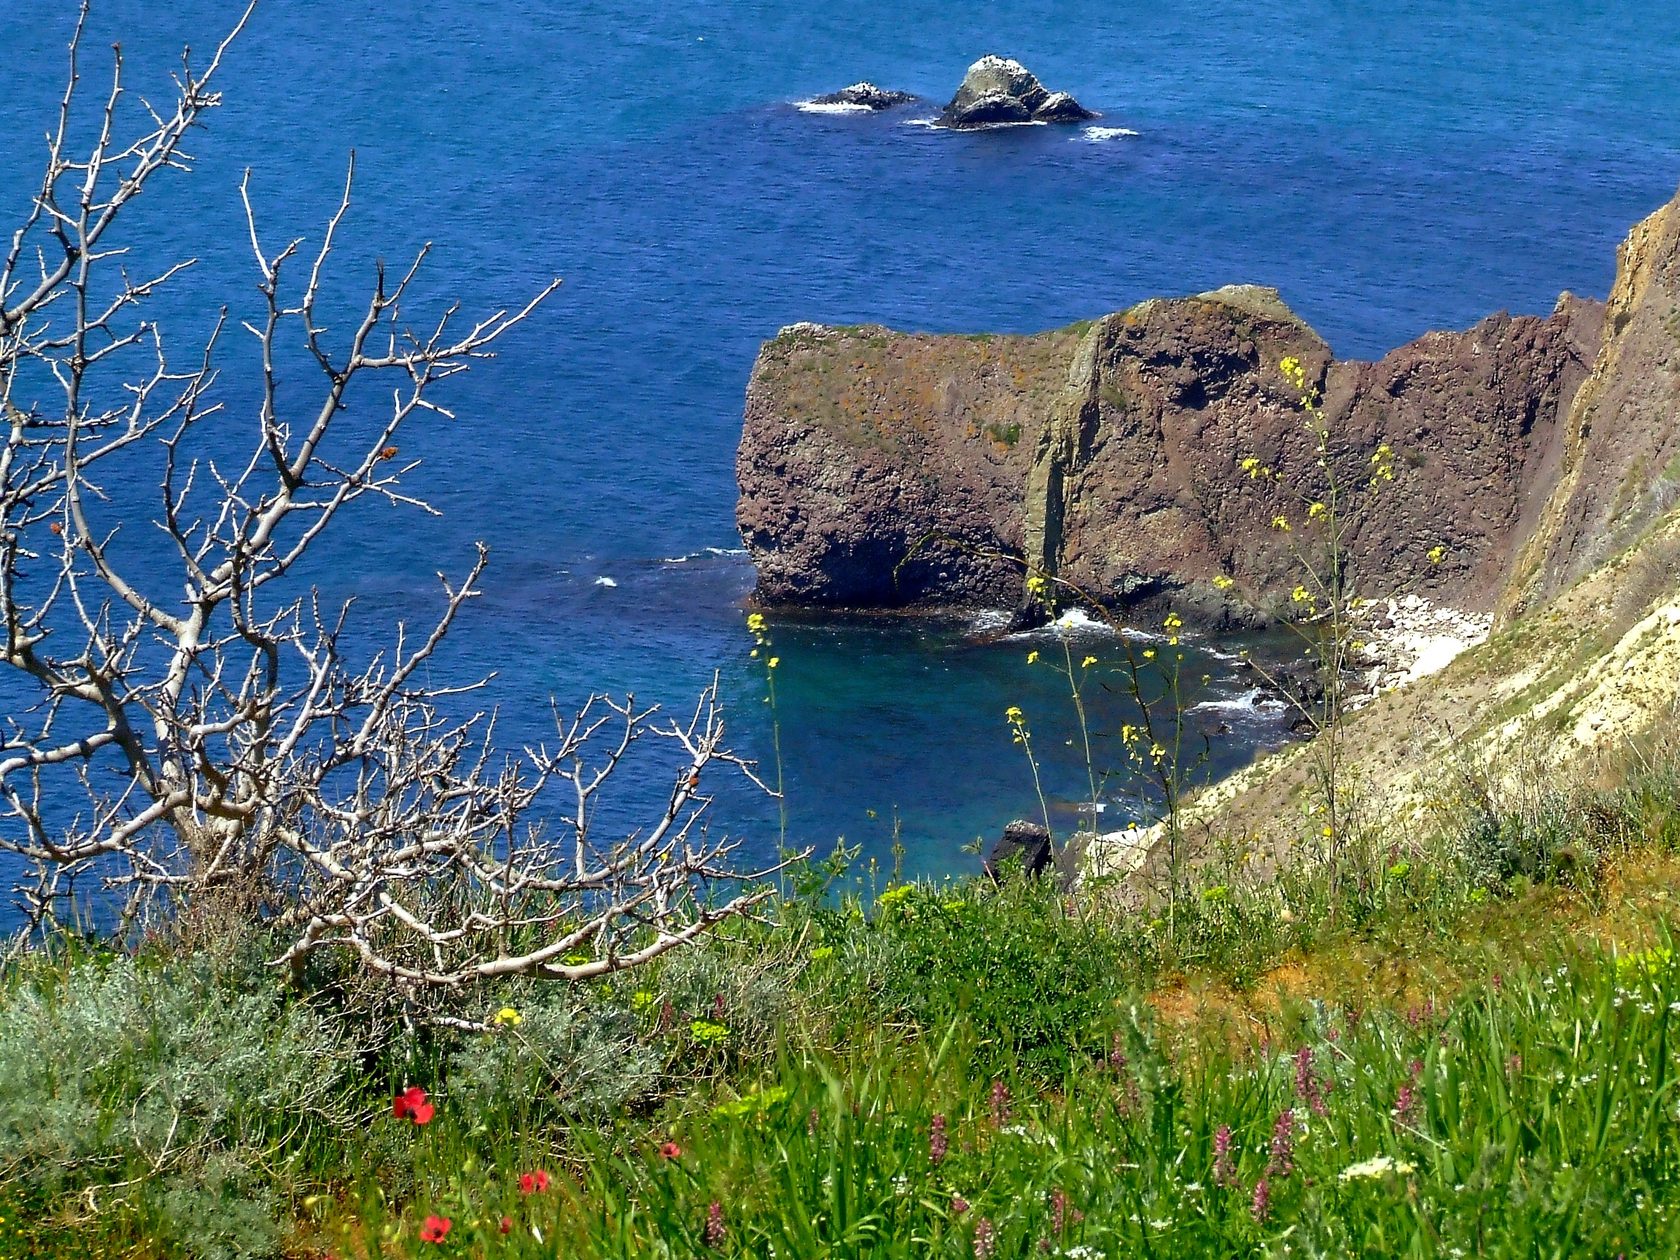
<point x="177" y="1078"/>
<point x="1036" y="984"/>
<point x="564" y="1056"/>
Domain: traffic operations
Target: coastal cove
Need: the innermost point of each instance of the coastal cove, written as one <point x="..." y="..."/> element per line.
<point x="736" y="631"/>
<point x="1386" y="186"/>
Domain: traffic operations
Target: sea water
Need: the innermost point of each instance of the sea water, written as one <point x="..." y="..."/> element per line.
<point x="1392" y="168"/>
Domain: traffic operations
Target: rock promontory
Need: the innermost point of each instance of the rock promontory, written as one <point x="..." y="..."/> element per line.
<point x="997" y="90"/>
<point x="889" y="470"/>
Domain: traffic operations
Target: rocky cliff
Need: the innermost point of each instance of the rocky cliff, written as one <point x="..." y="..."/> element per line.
<point x="888" y="470"/>
<point x="1620" y="448"/>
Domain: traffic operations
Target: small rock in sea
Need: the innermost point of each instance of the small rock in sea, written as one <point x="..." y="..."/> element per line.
<point x="1060" y="107"/>
<point x="998" y="90"/>
<point x="1024" y="846"/>
<point x="865" y="96"/>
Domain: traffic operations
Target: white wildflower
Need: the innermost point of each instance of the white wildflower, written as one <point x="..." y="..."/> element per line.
<point x="1377" y="1166"/>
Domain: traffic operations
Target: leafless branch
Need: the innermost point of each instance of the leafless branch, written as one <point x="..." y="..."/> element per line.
<point x="193" y="727"/>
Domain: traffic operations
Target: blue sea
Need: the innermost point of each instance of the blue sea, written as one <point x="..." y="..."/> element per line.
<point x="1391" y="167"/>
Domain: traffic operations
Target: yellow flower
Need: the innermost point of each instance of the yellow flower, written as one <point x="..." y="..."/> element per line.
<point x="1300" y="595"/>
<point x="774" y="661"/>
<point x="1223" y="583"/>
<point x="1032" y="657"/>
<point x="1087" y="662"/>
<point x="755" y="622"/>
<point x="1316" y="510"/>
<point x="1036" y="584"/>
<point x="507" y="1017"/>
<point x="1437" y="554"/>
<point x="1281" y="523"/>
<point x="1173" y="622"/>
<point x="1148" y="654"/>
<point x="1013" y="715"/>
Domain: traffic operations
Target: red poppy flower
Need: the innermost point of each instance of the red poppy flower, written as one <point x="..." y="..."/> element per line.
<point x="436" y="1229"/>
<point x="411" y="1104"/>
<point x="670" y="1151"/>
<point x="533" y="1182"/>
<point x="507" y="1224"/>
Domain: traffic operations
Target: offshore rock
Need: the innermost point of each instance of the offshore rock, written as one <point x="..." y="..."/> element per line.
<point x="998" y="90"/>
<point x="866" y="96"/>
<point x="1060" y="107"/>
<point x="888" y="470"/>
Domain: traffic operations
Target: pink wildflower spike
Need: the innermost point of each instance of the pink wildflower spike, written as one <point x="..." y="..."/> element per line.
<point x="1283" y="1145"/>
<point x="1261" y="1204"/>
<point x="1000" y="1104"/>
<point x="1224" y="1167"/>
<point x="1306" y="1082"/>
<point x="938" y="1142"/>
<point x="716" y="1231"/>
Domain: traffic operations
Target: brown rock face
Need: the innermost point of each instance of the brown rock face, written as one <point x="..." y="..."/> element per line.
<point x="889" y="470"/>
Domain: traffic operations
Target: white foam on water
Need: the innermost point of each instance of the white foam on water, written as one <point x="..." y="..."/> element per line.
<point x="1075" y="622"/>
<point x="835" y="107"/>
<point x="605" y="581"/>
<point x="933" y="124"/>
<point x="704" y="553"/>
<point x="1255" y="701"/>
<point x="1081" y="622"/>
<point x="1096" y="135"/>
<point x="990" y="621"/>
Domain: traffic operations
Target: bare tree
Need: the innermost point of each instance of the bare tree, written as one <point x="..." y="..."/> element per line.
<point x="198" y="707"/>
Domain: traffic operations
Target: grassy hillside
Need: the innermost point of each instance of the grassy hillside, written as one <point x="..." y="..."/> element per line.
<point x="1471" y="1051"/>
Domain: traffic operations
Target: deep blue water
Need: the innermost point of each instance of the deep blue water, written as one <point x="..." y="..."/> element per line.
<point x="1392" y="168"/>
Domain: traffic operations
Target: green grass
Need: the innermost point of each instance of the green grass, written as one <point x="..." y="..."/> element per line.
<point x="1496" y="1024"/>
<point x="1532" y="1118"/>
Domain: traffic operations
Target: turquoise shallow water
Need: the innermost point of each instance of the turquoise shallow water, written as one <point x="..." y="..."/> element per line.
<point x="1391" y="167"/>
